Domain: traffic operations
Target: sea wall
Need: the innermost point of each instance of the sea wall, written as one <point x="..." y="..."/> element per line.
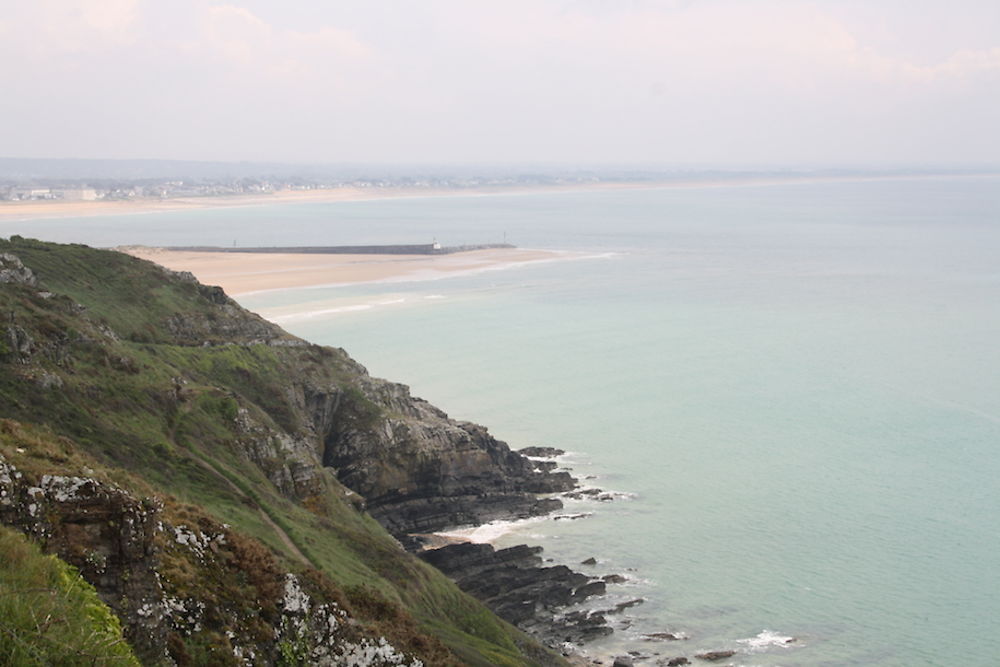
<point x="413" y="249"/>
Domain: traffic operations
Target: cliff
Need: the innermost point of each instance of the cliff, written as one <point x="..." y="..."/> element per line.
<point x="199" y="466"/>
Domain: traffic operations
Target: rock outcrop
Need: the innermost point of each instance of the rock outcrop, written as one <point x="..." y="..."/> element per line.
<point x="420" y="471"/>
<point x="713" y="656"/>
<point x="103" y="531"/>
<point x="12" y="270"/>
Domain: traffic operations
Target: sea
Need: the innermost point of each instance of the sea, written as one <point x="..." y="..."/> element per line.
<point x="790" y="390"/>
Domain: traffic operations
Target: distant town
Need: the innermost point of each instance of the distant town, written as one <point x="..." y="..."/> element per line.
<point x="54" y="180"/>
<point x="43" y="189"/>
<point x="24" y="179"/>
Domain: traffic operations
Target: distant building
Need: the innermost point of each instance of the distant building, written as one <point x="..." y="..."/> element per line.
<point x="31" y="193"/>
<point x="79" y="194"/>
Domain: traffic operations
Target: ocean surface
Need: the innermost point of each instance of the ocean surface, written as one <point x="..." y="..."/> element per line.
<point x="794" y="388"/>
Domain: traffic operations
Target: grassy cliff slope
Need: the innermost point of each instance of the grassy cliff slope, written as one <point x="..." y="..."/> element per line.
<point x="219" y="423"/>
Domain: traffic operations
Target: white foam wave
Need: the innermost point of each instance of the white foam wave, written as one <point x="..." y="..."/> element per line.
<point x="308" y="315"/>
<point x="489" y="532"/>
<point x="765" y="640"/>
<point x="571" y="457"/>
<point x="305" y="315"/>
<point x="585" y="493"/>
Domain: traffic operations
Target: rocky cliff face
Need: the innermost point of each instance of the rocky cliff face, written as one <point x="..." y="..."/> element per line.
<point x="416" y="469"/>
<point x="420" y="471"/>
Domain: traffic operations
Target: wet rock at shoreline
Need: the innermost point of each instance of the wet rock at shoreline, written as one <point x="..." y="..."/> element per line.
<point x="715" y="655"/>
<point x="622" y="606"/>
<point x="541" y="452"/>
<point x="515" y="584"/>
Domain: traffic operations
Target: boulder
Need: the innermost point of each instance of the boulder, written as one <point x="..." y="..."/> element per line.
<point x="541" y="452"/>
<point x="715" y="655"/>
<point x="12" y="270"/>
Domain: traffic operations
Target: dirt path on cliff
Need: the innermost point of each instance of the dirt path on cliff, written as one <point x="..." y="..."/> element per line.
<point x="282" y="535"/>
<point x="279" y="531"/>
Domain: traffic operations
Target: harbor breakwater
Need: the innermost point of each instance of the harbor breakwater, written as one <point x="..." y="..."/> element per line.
<point x="405" y="249"/>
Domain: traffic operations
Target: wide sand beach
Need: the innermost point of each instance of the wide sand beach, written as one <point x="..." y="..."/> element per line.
<point x="246" y="273"/>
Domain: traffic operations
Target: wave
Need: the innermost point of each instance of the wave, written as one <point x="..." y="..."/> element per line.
<point x="584" y="493"/>
<point x="492" y="531"/>
<point x="303" y="315"/>
<point x="308" y="315"/>
<point x="431" y="275"/>
<point x="765" y="640"/>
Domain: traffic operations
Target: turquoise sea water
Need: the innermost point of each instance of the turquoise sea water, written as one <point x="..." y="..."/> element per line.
<point x="796" y="387"/>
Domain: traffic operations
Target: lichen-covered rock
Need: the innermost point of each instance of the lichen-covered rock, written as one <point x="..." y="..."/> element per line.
<point x="103" y="531"/>
<point x="171" y="584"/>
<point x="12" y="270"/>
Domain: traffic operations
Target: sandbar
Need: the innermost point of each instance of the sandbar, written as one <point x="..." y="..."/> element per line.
<point x="247" y="273"/>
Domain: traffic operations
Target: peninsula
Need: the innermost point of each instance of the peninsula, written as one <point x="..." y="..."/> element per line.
<point x="233" y="494"/>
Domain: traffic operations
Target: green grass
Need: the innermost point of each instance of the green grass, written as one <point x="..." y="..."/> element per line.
<point x="49" y="615"/>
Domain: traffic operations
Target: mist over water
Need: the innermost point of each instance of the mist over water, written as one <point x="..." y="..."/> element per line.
<point x="800" y="384"/>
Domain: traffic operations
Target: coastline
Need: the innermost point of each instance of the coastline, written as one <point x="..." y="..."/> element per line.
<point x="41" y="209"/>
<point x="13" y="211"/>
<point x="565" y="606"/>
<point x="242" y="274"/>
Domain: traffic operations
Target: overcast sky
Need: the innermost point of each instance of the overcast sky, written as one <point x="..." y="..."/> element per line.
<point x="675" y="82"/>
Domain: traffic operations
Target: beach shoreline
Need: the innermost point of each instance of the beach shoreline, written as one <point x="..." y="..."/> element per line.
<point x="12" y="211"/>
<point x="242" y="274"/>
<point x="45" y="209"/>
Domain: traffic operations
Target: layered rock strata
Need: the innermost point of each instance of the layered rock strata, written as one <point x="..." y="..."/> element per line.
<point x="519" y="588"/>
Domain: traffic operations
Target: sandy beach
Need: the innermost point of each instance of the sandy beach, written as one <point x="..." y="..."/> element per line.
<point x="246" y="273"/>
<point x="57" y="208"/>
<point x="26" y="210"/>
<point x="41" y="209"/>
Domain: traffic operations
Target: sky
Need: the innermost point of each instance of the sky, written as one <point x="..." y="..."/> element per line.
<point x="701" y="83"/>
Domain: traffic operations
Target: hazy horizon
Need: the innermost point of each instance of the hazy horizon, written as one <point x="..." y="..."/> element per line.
<point x="674" y="84"/>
